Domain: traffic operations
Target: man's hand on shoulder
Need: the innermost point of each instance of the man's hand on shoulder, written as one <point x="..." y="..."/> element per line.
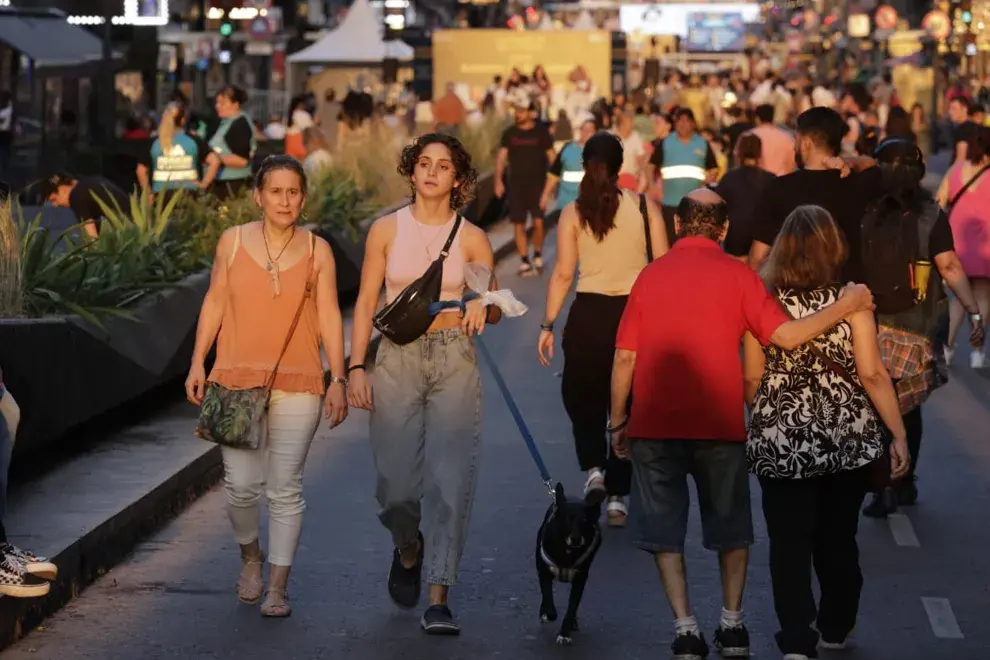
<point x="857" y="297"/>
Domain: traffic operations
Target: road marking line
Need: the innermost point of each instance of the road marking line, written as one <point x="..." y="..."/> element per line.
<point x="902" y="530"/>
<point x="941" y="618"/>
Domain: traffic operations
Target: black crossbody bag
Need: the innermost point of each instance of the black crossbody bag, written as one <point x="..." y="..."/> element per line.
<point x="407" y="318"/>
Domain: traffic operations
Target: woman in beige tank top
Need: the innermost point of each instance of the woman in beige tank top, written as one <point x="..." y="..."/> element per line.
<point x="603" y="236"/>
<point x="425" y="408"/>
<point x="259" y="277"/>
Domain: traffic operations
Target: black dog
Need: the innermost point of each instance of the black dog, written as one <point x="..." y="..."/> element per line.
<point x="566" y="545"/>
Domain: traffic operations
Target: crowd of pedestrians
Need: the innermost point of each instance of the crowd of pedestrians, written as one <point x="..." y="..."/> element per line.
<point x="809" y="282"/>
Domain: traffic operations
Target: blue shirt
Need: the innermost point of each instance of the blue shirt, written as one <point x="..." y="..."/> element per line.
<point x="683" y="166"/>
<point x="569" y="168"/>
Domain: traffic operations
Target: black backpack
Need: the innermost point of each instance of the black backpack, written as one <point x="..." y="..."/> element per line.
<point x="894" y="237"/>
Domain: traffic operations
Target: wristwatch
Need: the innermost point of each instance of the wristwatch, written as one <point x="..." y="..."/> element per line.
<point x="547" y="325"/>
<point x="337" y="379"/>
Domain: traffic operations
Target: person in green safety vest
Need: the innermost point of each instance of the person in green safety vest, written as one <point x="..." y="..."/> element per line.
<point x="176" y="158"/>
<point x="228" y="167"/>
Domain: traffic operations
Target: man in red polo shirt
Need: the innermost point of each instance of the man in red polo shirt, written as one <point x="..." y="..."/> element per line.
<point x="677" y="349"/>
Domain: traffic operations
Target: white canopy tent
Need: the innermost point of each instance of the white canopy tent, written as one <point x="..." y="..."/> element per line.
<point x="584" y="21"/>
<point x="358" y="42"/>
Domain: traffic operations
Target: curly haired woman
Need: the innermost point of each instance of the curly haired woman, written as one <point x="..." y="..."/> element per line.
<point x="426" y="404"/>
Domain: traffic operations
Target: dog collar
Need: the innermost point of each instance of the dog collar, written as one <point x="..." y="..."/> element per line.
<point x="568" y="574"/>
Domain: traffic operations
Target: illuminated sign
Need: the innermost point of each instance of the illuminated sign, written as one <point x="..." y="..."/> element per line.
<point x="136" y="12"/>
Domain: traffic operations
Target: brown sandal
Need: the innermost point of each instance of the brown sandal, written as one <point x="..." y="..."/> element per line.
<point x="278" y="610"/>
<point x="249" y="587"/>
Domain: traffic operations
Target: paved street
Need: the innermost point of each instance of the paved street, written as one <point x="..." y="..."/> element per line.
<point x="927" y="576"/>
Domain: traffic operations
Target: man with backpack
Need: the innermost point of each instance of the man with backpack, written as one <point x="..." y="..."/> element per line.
<point x="907" y="252"/>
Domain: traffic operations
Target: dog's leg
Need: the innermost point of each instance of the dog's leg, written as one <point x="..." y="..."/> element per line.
<point x="570" y="623"/>
<point x="548" y="611"/>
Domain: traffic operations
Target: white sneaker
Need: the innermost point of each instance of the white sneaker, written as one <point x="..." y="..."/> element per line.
<point x="525" y="268"/>
<point x="977" y="359"/>
<point x="538" y="262"/>
<point x="594" y="488"/>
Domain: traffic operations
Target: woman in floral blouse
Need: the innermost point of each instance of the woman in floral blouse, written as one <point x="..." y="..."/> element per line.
<point x="817" y="417"/>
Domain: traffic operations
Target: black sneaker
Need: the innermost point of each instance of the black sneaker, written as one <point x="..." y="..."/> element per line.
<point x="689" y="646"/>
<point x="883" y="504"/>
<point x="437" y="620"/>
<point x="405" y="584"/>
<point x="732" y="642"/>
<point x="907" y="492"/>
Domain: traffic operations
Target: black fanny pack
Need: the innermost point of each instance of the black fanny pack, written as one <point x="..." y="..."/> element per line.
<point x="407" y="318"/>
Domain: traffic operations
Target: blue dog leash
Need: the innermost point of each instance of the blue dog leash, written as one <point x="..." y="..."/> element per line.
<point x="534" y="451"/>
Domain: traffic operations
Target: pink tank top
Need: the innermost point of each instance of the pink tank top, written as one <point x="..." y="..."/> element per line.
<point x="970" y="222"/>
<point x="416" y="246"/>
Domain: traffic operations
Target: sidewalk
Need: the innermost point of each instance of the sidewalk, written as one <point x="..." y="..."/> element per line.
<point x="88" y="513"/>
<point x="925" y="569"/>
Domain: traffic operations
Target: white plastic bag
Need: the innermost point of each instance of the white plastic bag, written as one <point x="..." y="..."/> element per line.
<point x="479" y="278"/>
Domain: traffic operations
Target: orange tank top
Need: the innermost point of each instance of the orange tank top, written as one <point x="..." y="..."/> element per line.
<point x="255" y="323"/>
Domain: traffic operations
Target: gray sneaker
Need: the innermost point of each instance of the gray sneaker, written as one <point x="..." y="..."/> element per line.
<point x="438" y="620"/>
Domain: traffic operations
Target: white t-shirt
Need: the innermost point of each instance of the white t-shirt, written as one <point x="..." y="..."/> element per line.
<point x="301" y="120"/>
<point x="633" y="150"/>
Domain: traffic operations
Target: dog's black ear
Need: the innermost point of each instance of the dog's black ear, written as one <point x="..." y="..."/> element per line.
<point x="558" y="494"/>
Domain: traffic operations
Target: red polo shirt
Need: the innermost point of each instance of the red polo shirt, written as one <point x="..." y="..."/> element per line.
<point x="685" y="318"/>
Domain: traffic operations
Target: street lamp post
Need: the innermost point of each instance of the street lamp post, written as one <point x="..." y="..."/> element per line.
<point x="108" y="96"/>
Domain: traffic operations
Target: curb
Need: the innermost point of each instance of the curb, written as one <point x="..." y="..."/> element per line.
<point x="97" y="552"/>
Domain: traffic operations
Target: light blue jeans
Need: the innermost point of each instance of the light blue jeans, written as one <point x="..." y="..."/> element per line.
<point x="426" y="441"/>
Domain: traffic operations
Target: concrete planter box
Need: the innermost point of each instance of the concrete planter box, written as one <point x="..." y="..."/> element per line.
<point x="64" y="371"/>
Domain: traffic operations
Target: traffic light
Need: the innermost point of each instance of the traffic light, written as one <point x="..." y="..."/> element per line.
<point x="226" y="28"/>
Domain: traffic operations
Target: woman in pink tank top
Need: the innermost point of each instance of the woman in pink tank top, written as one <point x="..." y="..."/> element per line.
<point x="969" y="218"/>
<point x="426" y="404"/>
<point x="261" y="273"/>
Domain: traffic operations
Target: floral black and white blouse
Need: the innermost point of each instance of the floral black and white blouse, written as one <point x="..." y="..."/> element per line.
<point x="806" y="420"/>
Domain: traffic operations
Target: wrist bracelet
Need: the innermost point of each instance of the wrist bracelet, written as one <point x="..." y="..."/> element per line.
<point x="355" y="367"/>
<point x="336" y="379"/>
<point x="548" y="326"/>
<point x="618" y="427"/>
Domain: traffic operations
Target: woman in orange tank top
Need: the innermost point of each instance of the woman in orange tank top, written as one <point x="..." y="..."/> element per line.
<point x="426" y="406"/>
<point x="259" y="277"/>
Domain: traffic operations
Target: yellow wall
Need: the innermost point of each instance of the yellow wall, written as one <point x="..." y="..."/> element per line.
<point x="476" y="56"/>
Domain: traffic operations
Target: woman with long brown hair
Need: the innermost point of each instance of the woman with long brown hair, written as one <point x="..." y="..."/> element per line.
<point x="603" y="236"/>
<point x="817" y="417"/>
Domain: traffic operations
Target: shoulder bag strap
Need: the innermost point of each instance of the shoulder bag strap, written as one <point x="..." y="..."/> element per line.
<point x="450" y="239"/>
<point x="307" y="292"/>
<point x="966" y="186"/>
<point x="646" y="225"/>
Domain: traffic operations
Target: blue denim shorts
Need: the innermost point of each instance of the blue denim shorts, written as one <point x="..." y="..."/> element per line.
<point x="660" y="498"/>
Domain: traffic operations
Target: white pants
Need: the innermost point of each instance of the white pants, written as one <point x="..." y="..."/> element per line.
<point x="277" y="467"/>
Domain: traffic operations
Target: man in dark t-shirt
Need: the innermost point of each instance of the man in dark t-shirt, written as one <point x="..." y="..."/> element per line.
<point x="961" y="114"/>
<point x="526" y="152"/>
<point x="80" y="195"/>
<point x="819" y="181"/>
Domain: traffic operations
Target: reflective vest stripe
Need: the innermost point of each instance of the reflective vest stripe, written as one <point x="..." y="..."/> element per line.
<point x="572" y="177"/>
<point x="683" y="172"/>
<point x="164" y="176"/>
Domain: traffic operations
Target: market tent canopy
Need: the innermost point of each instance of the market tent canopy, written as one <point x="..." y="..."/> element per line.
<point x="49" y="40"/>
<point x="584" y="21"/>
<point x="358" y="39"/>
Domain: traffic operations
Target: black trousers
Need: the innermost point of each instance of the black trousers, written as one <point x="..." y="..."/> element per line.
<point x="589" y="349"/>
<point x="668" y="213"/>
<point x="3" y="532"/>
<point x="813" y="522"/>
<point x="914" y="427"/>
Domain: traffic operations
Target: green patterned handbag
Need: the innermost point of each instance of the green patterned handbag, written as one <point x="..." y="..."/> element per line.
<point x="234" y="418"/>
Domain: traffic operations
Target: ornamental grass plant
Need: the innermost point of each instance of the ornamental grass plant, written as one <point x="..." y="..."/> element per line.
<point x="10" y="263"/>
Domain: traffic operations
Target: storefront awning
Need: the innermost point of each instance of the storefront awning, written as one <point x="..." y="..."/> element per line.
<point x="50" y="41"/>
